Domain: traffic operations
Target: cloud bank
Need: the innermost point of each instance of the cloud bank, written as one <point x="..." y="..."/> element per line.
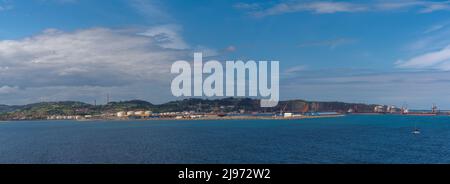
<point x="329" y="7"/>
<point x="97" y="59"/>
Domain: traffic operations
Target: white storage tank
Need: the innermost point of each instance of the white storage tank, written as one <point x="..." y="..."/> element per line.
<point x="288" y="115"/>
<point x="120" y="114"/>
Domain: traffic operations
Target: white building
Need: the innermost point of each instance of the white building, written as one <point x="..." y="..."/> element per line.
<point x="392" y="109"/>
<point x="288" y="115"/>
<point x="121" y="114"/>
<point x="378" y="109"/>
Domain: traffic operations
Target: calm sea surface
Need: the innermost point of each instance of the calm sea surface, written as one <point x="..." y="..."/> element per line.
<point x="350" y="139"/>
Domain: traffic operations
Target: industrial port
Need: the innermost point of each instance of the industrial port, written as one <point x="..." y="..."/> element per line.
<point x="306" y="112"/>
<point x="200" y="109"/>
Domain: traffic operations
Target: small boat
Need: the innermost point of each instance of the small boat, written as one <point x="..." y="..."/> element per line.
<point x="416" y="130"/>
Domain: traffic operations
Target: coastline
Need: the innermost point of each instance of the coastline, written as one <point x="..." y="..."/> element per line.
<point x="219" y="118"/>
<point x="249" y="117"/>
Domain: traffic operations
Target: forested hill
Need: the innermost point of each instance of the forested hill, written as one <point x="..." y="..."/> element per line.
<point x="44" y="109"/>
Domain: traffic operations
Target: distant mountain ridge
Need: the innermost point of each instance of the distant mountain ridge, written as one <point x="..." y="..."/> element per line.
<point x="8" y="108"/>
<point x="44" y="109"/>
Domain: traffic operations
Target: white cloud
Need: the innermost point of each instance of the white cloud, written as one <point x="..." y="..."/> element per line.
<point x="97" y="57"/>
<point x="431" y="50"/>
<point x="433" y="38"/>
<point x="7" y="90"/>
<point x="333" y="43"/>
<point x="432" y="7"/>
<point x="167" y="36"/>
<point x="334" y="7"/>
<point x="399" y="4"/>
<point x="230" y="48"/>
<point x="153" y="9"/>
<point x="315" y="7"/>
<point x="423" y="6"/>
<point x="328" y="7"/>
<point x="433" y="60"/>
<point x="207" y="52"/>
<point x="436" y="27"/>
<point x="294" y="71"/>
<point x="246" y="6"/>
<point x="86" y="64"/>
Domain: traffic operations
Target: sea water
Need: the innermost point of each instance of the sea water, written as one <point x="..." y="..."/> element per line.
<point x="349" y="139"/>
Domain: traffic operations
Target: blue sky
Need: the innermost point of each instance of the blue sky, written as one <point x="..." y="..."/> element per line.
<point x="374" y="51"/>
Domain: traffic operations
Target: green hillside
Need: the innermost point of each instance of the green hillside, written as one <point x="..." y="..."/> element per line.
<point x="44" y="109"/>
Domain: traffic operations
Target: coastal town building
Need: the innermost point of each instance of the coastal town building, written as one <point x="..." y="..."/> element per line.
<point x="288" y="115"/>
<point x="379" y="109"/>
